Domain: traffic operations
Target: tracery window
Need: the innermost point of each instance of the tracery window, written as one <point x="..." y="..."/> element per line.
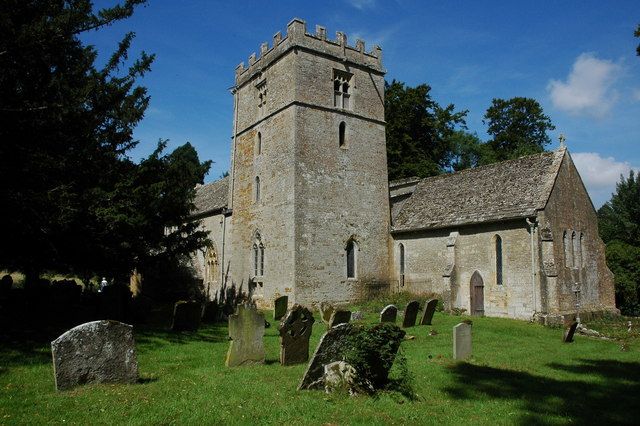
<point x="341" y="89"/>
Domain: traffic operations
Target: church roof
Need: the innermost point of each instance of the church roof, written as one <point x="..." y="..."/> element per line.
<point x="501" y="191"/>
<point x="211" y="196"/>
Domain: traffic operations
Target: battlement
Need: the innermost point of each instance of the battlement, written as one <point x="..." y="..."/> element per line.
<point x="297" y="36"/>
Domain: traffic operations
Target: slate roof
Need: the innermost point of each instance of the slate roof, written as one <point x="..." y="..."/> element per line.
<point x="506" y="190"/>
<point x="211" y="196"/>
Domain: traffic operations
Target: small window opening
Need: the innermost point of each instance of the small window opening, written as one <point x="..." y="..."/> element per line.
<point x="257" y="188"/>
<point x="341" y="132"/>
<point x="401" y="265"/>
<point x="498" y="260"/>
<point x="259" y="144"/>
<point x="351" y="258"/>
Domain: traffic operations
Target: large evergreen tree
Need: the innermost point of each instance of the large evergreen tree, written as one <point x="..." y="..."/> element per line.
<point x="71" y="199"/>
<point x="619" y="224"/>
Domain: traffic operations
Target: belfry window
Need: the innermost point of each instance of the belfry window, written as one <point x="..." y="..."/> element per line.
<point x="341" y="89"/>
<point x="498" y="260"/>
<point x="262" y="97"/>
<point x="341" y="134"/>
<point x="351" y="250"/>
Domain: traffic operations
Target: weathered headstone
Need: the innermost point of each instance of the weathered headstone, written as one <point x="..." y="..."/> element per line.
<point x="410" y="314"/>
<point x="95" y="352"/>
<point x="280" y="307"/>
<point x="339" y="317"/>
<point x="339" y="375"/>
<point x="246" y="330"/>
<point x="389" y="314"/>
<point x="428" y="311"/>
<point x="332" y="347"/>
<point x="462" y="341"/>
<point x="326" y="310"/>
<point x="186" y="316"/>
<point x="295" y="330"/>
<point x="569" y="332"/>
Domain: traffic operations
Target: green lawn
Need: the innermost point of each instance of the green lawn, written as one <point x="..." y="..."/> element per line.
<point x="521" y="373"/>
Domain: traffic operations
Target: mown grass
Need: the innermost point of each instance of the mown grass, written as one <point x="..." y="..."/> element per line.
<point x="520" y="373"/>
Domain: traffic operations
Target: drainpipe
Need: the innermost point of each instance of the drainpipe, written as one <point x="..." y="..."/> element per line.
<point x="532" y="226"/>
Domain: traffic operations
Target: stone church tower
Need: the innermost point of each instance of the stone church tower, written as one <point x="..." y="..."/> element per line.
<point x="308" y="185"/>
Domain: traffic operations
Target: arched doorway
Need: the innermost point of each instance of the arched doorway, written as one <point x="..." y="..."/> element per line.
<point x="477" y="294"/>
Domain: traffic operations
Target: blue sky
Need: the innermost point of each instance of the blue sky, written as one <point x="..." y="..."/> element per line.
<point x="577" y="58"/>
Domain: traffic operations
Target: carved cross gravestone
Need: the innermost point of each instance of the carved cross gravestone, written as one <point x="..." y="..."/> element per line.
<point x="569" y="332"/>
<point x="186" y="316"/>
<point x="95" y="352"/>
<point x="280" y="307"/>
<point x="389" y="314"/>
<point x="295" y="330"/>
<point x="246" y="329"/>
<point x="462" y="341"/>
<point x="410" y="314"/>
<point x="339" y="317"/>
<point x="428" y="311"/>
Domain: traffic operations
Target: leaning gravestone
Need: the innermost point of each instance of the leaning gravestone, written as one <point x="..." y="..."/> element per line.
<point x="462" y="341"/>
<point x="389" y="314"/>
<point x="186" y="316"/>
<point x="280" y="307"/>
<point x="246" y="329"/>
<point x="95" y="352"/>
<point x="332" y="347"/>
<point x="569" y="332"/>
<point x="410" y="314"/>
<point x="295" y="330"/>
<point x="326" y="310"/>
<point x="428" y="311"/>
<point x="339" y="317"/>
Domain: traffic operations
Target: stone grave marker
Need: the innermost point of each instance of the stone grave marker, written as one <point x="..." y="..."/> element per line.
<point x="95" y="352"/>
<point x="210" y="311"/>
<point x="326" y="310"/>
<point x="280" y="307"/>
<point x="410" y="314"/>
<point x="339" y="317"/>
<point x="569" y="332"/>
<point x="331" y="347"/>
<point x="295" y="330"/>
<point x="389" y="314"/>
<point x="428" y="311"/>
<point x="462" y="341"/>
<point x="186" y="316"/>
<point x="246" y="330"/>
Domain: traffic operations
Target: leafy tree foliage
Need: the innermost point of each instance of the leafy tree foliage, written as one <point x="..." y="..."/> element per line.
<point x="518" y="127"/>
<point x="619" y="224"/>
<point x="418" y="131"/>
<point x="637" y="34"/>
<point x="72" y="200"/>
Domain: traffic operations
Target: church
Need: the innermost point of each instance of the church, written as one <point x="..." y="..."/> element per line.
<point x="307" y="210"/>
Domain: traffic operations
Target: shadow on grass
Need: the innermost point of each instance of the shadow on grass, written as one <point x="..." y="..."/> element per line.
<point x="149" y="338"/>
<point x="609" y="399"/>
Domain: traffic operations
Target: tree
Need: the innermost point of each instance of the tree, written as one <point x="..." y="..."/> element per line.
<point x="637" y="34"/>
<point x="418" y="131"/>
<point x="72" y="200"/>
<point x="518" y="127"/>
<point x="619" y="225"/>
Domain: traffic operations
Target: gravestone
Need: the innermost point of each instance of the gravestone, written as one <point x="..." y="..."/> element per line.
<point x="210" y="311"/>
<point x="410" y="314"/>
<point x="326" y="310"/>
<point x="95" y="352"/>
<point x="280" y="307"/>
<point x="389" y="314"/>
<point x="246" y="329"/>
<point x="295" y="330"/>
<point x="339" y="317"/>
<point x="428" y="311"/>
<point x="462" y="341"/>
<point x="331" y="347"/>
<point x="569" y="332"/>
<point x="186" y="316"/>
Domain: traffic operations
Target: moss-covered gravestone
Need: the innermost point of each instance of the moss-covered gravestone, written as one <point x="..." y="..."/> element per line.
<point x="295" y="330"/>
<point x="428" y="311"/>
<point x="411" y="314"/>
<point x="280" y="307"/>
<point x="389" y="314"/>
<point x="186" y="316"/>
<point x="246" y="330"/>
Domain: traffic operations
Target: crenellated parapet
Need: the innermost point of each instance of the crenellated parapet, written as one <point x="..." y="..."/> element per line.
<point x="297" y="37"/>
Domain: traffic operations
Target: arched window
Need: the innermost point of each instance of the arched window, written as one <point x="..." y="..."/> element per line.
<point x="256" y="259"/>
<point x="351" y="249"/>
<point x="257" y="188"/>
<point x="259" y="144"/>
<point x="341" y="89"/>
<point x="261" y="256"/>
<point x="568" y="252"/>
<point x="341" y="134"/>
<point x="258" y="256"/>
<point x="575" y="239"/>
<point x="498" y="260"/>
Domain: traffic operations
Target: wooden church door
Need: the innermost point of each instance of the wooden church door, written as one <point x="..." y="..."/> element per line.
<point x="477" y="294"/>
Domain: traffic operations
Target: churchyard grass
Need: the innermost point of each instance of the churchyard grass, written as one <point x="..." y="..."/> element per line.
<point x="519" y="373"/>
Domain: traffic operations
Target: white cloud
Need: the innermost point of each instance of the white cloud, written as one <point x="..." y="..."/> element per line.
<point x="600" y="174"/>
<point x="362" y="4"/>
<point x="588" y="88"/>
<point x="636" y="95"/>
